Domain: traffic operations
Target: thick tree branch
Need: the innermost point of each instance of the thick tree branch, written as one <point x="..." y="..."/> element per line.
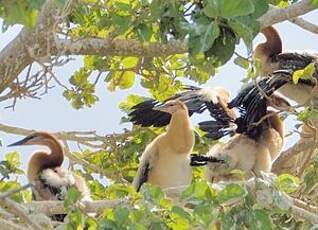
<point x="20" y="211"/>
<point x="9" y="225"/>
<point x="26" y="46"/>
<point x="109" y="47"/>
<point x="277" y="15"/>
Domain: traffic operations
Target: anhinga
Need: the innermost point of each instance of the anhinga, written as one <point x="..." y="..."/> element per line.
<point x="161" y="163"/>
<point x="272" y="58"/>
<point x="50" y="181"/>
<point x="258" y="136"/>
<point x="166" y="160"/>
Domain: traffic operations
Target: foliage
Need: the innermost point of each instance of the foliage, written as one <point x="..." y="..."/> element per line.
<point x="211" y="29"/>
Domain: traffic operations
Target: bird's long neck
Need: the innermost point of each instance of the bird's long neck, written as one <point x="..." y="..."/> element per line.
<point x="42" y="160"/>
<point x="273" y="44"/>
<point x="180" y="133"/>
<point x="266" y="52"/>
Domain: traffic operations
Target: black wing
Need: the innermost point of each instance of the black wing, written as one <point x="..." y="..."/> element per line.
<point x="196" y="99"/>
<point x="143" y="177"/>
<point x="295" y="61"/>
<point x="252" y="102"/>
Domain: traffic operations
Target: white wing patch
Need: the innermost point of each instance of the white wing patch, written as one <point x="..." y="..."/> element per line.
<point x="64" y="178"/>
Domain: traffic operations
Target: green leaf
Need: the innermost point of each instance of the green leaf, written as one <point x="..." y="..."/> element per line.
<point x="181" y="212"/>
<point x="204" y="213"/>
<point x="306" y="73"/>
<point x="196" y="192"/>
<point x="144" y="32"/>
<point x="72" y="196"/>
<point x="208" y="38"/>
<point x="243" y="31"/>
<point x="129" y="62"/>
<point x="223" y="47"/>
<point x="152" y="193"/>
<point x="261" y="7"/>
<point x="121" y="22"/>
<point x="232" y="191"/>
<point x="211" y="9"/>
<point x="314" y="3"/>
<point x="127" y="79"/>
<point x="242" y="62"/>
<point x="308" y="114"/>
<point x="131" y="101"/>
<point x="75" y="220"/>
<point x="261" y="220"/>
<point x="310" y="179"/>
<point x="287" y="183"/>
<point x="234" y="8"/>
<point x="13" y="160"/>
<point x="35" y="4"/>
<point x="121" y="215"/>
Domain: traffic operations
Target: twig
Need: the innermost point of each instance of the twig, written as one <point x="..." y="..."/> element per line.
<point x="57" y="207"/>
<point x="304" y="214"/>
<point x="9" y="225"/>
<point x="21" y="212"/>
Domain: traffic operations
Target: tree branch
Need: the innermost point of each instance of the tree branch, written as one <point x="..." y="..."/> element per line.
<point x="121" y="47"/>
<point x="21" y="212"/>
<point x="276" y="15"/>
<point x="9" y="225"/>
<point x="57" y="207"/>
<point x="264" y="195"/>
<point x="305" y="25"/>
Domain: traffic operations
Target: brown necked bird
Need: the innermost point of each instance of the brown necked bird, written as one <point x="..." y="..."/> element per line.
<point x="272" y="58"/>
<point x="50" y="181"/>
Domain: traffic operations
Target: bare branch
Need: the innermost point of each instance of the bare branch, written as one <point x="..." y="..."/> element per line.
<point x="21" y="212"/>
<point x="57" y="207"/>
<point x="305" y="25"/>
<point x="276" y="15"/>
<point x="109" y="47"/>
<point x="9" y="225"/>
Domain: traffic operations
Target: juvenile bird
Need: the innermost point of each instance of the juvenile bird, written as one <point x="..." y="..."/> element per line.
<point x="50" y="181"/>
<point x="258" y="136"/>
<point x="165" y="161"/>
<point x="272" y="58"/>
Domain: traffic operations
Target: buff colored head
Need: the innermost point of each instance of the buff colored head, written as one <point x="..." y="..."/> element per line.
<point x="172" y="107"/>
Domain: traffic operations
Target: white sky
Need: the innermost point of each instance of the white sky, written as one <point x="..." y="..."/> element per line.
<point x="53" y="113"/>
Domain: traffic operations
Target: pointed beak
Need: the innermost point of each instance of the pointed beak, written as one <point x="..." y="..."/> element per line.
<point x="21" y="142"/>
<point x="160" y="108"/>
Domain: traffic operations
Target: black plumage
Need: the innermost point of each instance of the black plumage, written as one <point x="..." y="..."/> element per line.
<point x="196" y="100"/>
